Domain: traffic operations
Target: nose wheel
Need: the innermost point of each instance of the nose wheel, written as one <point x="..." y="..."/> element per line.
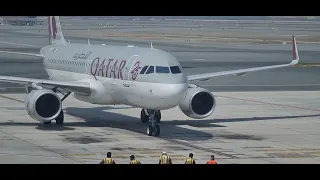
<point x="153" y="128"/>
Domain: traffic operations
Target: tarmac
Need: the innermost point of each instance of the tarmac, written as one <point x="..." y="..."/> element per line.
<point x="263" y="117"/>
<point x="246" y="127"/>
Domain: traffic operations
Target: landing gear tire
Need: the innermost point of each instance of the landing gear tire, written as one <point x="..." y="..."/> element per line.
<point x="153" y="129"/>
<point x="48" y="122"/>
<point x="157" y="116"/>
<point x="60" y="118"/>
<point x="150" y="130"/>
<point x="144" y="117"/>
<point x="156" y="130"/>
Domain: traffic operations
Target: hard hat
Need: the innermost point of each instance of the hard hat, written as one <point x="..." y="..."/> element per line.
<point x="164" y="153"/>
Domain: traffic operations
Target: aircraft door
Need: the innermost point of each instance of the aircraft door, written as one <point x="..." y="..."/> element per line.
<point x="128" y="77"/>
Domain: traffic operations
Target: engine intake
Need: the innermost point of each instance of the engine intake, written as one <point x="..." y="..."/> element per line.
<point x="198" y="103"/>
<point x="43" y="105"/>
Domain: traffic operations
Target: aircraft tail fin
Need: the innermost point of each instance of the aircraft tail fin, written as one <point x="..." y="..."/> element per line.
<point x="55" y="31"/>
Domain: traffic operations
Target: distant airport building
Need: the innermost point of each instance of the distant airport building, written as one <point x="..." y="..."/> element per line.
<point x="20" y="20"/>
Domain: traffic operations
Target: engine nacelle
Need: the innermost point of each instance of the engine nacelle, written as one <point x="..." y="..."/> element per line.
<point x="198" y="103"/>
<point x="43" y="105"/>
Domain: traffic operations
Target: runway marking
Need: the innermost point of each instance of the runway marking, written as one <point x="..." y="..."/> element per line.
<point x="77" y="155"/>
<point x="13" y="99"/>
<point x="307" y="65"/>
<point x="6" y="88"/>
<point x="273" y="104"/>
<point x="18" y="44"/>
<point x="295" y="35"/>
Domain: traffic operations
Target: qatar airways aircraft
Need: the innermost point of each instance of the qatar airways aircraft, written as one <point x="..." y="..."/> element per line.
<point x="147" y="78"/>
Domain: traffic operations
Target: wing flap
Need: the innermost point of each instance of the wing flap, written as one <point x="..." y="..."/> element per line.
<point x="206" y="76"/>
<point x="73" y="86"/>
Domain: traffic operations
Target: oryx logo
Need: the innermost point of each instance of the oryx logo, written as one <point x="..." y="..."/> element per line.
<point x="52" y="24"/>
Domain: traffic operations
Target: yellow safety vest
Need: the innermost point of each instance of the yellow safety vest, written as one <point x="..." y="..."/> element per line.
<point x="164" y="159"/>
<point x="108" y="161"/>
<point x="189" y="161"/>
<point x="134" y="161"/>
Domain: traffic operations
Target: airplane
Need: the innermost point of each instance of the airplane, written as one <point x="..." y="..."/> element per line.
<point x="141" y="77"/>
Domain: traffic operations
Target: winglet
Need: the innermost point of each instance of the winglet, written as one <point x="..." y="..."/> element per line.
<point x="295" y="54"/>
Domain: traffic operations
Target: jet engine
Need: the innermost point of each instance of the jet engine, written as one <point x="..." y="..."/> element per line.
<point x="43" y="105"/>
<point x="198" y="103"/>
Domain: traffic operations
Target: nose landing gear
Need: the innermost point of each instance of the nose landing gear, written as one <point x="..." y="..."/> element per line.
<point x="153" y="128"/>
<point x="145" y="117"/>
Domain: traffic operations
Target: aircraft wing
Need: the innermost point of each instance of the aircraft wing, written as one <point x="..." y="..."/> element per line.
<point x="21" y="53"/>
<point x="73" y="86"/>
<point x="206" y="76"/>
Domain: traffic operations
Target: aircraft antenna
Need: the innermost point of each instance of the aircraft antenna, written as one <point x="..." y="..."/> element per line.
<point x="89" y="42"/>
<point x="151" y="46"/>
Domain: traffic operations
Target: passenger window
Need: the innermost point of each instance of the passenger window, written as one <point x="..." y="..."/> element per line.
<point x="175" y="69"/>
<point x="143" y="69"/>
<point x="162" y="69"/>
<point x="150" y="70"/>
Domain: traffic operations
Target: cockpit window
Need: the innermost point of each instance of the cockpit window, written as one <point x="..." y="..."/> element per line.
<point x="143" y="69"/>
<point x="175" y="69"/>
<point x="162" y="69"/>
<point x="150" y="70"/>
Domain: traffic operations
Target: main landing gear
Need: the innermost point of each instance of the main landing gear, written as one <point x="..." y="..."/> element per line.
<point x="153" y="117"/>
<point x="60" y="118"/>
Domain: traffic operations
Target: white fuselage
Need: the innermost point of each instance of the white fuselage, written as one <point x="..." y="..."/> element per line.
<point x="112" y="82"/>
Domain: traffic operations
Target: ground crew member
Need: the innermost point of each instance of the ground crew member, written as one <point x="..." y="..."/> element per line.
<point x="133" y="160"/>
<point x="165" y="159"/>
<point x="212" y="161"/>
<point x="108" y="159"/>
<point x="190" y="160"/>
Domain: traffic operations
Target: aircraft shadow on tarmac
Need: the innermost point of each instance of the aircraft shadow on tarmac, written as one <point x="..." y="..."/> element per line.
<point x="98" y="117"/>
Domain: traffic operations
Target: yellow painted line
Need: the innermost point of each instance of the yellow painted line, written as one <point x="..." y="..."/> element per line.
<point x="75" y="155"/>
<point x="308" y="65"/>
